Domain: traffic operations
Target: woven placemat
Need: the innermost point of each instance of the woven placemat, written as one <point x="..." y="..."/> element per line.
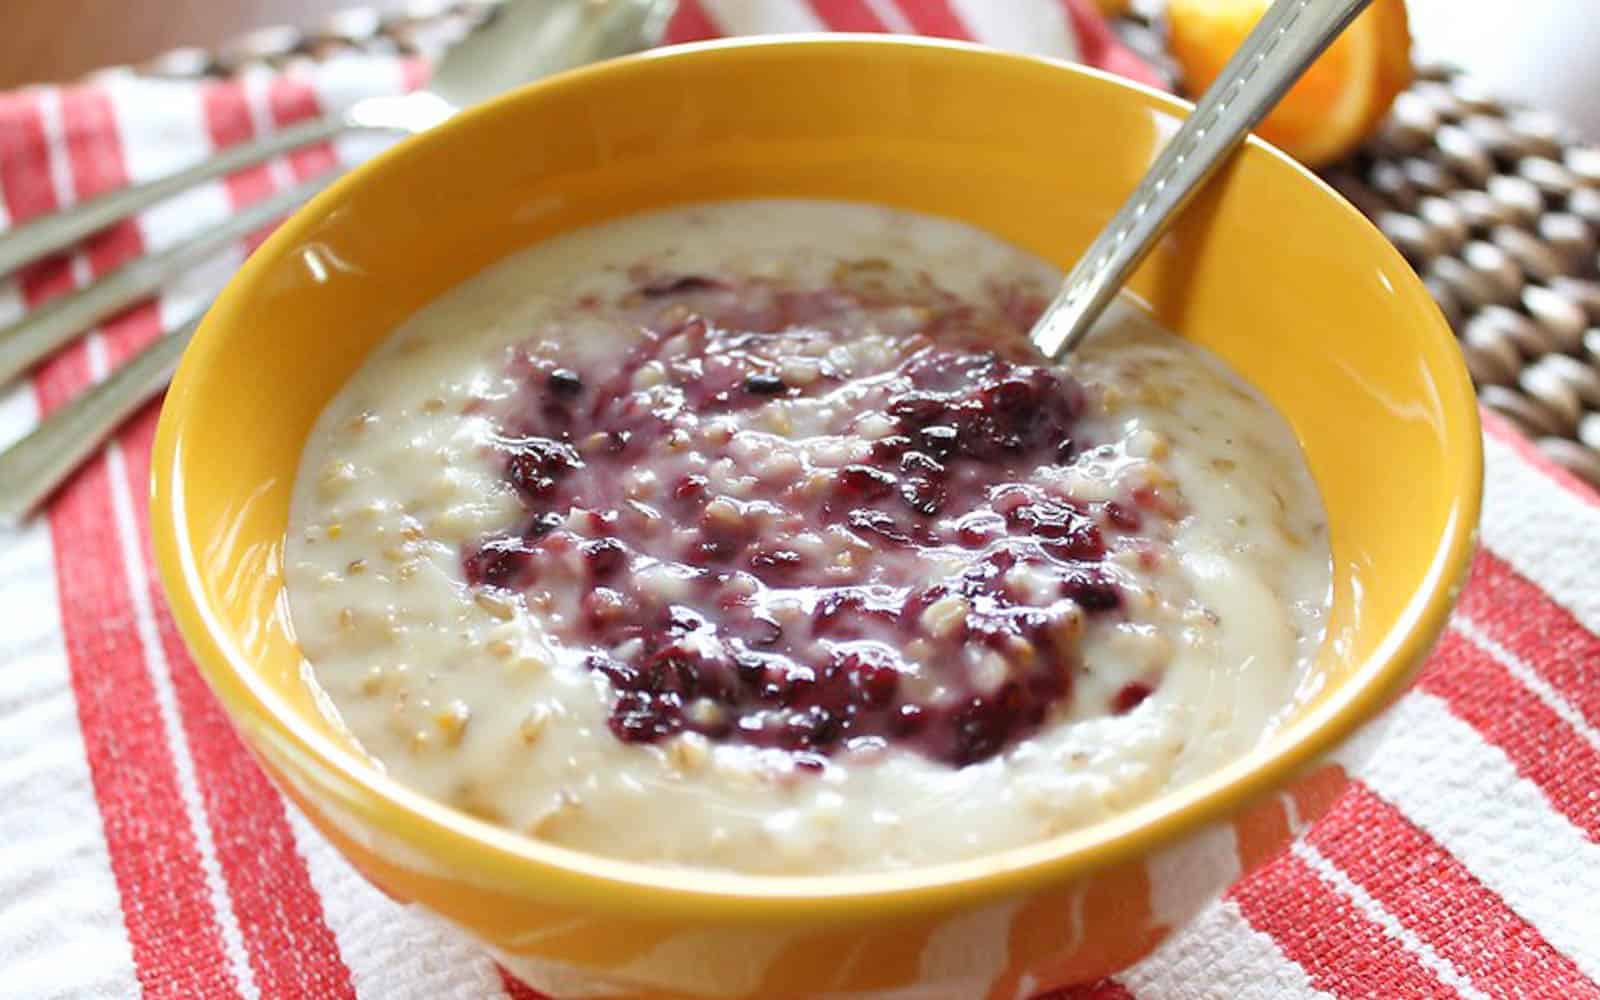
<point x="1496" y="206"/>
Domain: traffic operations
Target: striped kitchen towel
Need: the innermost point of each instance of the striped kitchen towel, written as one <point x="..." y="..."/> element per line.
<point x="146" y="853"/>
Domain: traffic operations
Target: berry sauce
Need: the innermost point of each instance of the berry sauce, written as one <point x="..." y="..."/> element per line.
<point x="811" y="519"/>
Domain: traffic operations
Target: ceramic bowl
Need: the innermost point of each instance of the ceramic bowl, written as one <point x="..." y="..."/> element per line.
<point x="1269" y="269"/>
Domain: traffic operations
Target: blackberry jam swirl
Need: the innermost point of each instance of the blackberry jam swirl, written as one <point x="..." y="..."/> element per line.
<point x="814" y="517"/>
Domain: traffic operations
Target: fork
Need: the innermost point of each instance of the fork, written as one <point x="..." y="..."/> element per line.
<point x="519" y="41"/>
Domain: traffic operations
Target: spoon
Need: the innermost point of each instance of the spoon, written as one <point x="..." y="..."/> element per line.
<point x="1287" y="39"/>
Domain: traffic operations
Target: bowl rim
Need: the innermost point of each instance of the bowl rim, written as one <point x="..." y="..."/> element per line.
<point x="480" y="852"/>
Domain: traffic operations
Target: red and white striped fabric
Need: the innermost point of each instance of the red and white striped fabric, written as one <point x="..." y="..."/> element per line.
<point x="145" y="853"/>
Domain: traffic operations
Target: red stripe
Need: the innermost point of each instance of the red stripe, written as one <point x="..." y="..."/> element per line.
<point x="24" y="173"/>
<point x="155" y="858"/>
<point x="1541" y="745"/>
<point x="1340" y="948"/>
<point x="1431" y="893"/>
<point x="1100" y="47"/>
<point x="292" y="99"/>
<point x="689" y="23"/>
<point x="25" y="183"/>
<point x="1502" y="430"/>
<point x="227" y="113"/>
<point x="847" y="15"/>
<point x="292" y="951"/>
<point x="94" y="153"/>
<point x="935" y="17"/>
<point x="226" y="107"/>
<point x="413" y="74"/>
<point x="516" y="989"/>
<point x="1518" y="615"/>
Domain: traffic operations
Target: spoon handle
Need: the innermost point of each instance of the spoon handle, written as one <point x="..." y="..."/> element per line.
<point x="1287" y="39"/>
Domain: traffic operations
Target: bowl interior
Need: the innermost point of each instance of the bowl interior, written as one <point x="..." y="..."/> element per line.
<point x="1269" y="269"/>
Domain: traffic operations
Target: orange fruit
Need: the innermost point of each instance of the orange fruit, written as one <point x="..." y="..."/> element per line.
<point x="1337" y="103"/>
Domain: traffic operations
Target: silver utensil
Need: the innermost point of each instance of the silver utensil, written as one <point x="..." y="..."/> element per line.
<point x="521" y="41"/>
<point x="33" y="467"/>
<point x="43" y="330"/>
<point x="1287" y="39"/>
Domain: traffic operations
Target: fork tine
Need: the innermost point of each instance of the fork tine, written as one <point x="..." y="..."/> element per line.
<point x="36" y="335"/>
<point x="45" y="235"/>
<point x="34" y="466"/>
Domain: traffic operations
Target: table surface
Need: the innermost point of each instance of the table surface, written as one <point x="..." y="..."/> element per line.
<point x="1546" y="52"/>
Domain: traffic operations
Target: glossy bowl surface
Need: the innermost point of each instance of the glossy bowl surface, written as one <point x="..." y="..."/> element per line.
<point x="1270" y="269"/>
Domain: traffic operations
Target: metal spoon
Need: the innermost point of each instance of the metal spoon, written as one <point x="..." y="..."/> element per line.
<point x="1288" y="38"/>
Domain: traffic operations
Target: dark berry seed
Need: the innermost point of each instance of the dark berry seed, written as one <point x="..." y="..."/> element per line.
<point x="1092" y="591"/>
<point x="876" y="522"/>
<point x="682" y="621"/>
<point x="939" y="439"/>
<point x="908" y="720"/>
<point x="498" y="562"/>
<point x="916" y="461"/>
<point x="692" y="485"/>
<point x="924" y="495"/>
<point x="764" y="384"/>
<point x="678" y="285"/>
<point x="750" y="669"/>
<point x="814" y="727"/>
<point x="917" y="408"/>
<point x="565" y="382"/>
<point x="538" y="463"/>
<point x="604" y="555"/>
<point x="1130" y="697"/>
<point x="981" y="727"/>
<point x="543" y="524"/>
<point x="1080" y="545"/>
<point x="1013" y="394"/>
<point x="677" y="669"/>
<point x="640" y="717"/>
<point x="864" y="482"/>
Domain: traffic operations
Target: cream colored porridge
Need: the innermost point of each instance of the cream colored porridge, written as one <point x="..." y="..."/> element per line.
<point x="752" y="536"/>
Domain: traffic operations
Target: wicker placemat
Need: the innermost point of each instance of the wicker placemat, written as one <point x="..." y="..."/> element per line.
<point x="1497" y="207"/>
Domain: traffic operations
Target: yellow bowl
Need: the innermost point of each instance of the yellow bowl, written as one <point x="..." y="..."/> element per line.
<point x="1269" y="269"/>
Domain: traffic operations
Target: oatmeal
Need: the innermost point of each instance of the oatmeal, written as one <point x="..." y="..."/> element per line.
<point x="754" y="536"/>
